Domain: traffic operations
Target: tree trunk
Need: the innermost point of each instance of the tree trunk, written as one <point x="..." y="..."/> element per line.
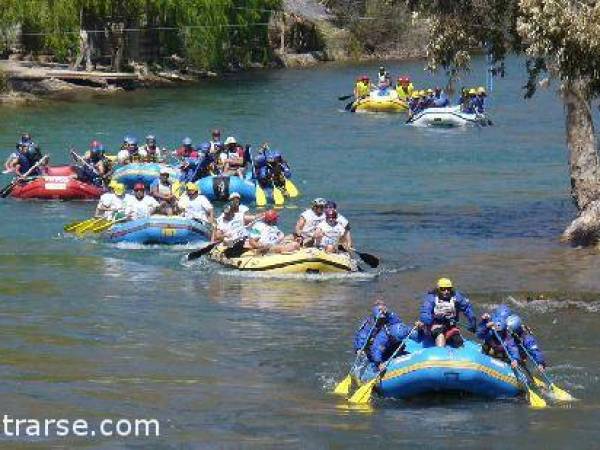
<point x="581" y="142"/>
<point x="584" y="166"/>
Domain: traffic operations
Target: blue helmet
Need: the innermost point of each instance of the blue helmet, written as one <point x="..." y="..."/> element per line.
<point x="501" y="313"/>
<point x="130" y="140"/>
<point x="204" y="147"/>
<point x="276" y="155"/>
<point x="187" y="141"/>
<point x="260" y="161"/>
<point x="513" y="323"/>
<point x="270" y="155"/>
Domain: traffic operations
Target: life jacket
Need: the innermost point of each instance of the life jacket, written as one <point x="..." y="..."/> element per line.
<point x="404" y="94"/>
<point x="444" y="309"/>
<point x="362" y="89"/>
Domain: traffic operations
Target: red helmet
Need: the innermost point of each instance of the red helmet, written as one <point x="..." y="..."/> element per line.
<point x="139" y="187"/>
<point x="364" y="78"/>
<point x="271" y="217"/>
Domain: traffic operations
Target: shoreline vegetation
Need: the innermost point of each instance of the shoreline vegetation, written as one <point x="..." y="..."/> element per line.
<point x="70" y="48"/>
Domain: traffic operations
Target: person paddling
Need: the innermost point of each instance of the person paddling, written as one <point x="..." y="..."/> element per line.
<point x="440" y="314"/>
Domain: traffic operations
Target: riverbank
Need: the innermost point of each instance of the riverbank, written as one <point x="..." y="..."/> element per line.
<point x="30" y="81"/>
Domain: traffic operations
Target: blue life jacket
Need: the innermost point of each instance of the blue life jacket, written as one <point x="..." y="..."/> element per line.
<point x="386" y="342"/>
<point x="364" y="330"/>
<point x="24" y="163"/>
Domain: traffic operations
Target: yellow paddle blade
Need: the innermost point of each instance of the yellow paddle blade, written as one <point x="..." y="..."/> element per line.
<point x="102" y="227"/>
<point x="89" y="226"/>
<point x="363" y="393"/>
<point x="261" y="198"/>
<point x="343" y="387"/>
<point x="561" y="394"/>
<point x="539" y="383"/>
<point x="80" y="223"/>
<point x="278" y="197"/>
<point x="535" y="401"/>
<point x="291" y="188"/>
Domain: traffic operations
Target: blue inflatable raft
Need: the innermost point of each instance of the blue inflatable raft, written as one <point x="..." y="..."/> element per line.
<point x="219" y="187"/>
<point x="428" y="369"/>
<point x="165" y="230"/>
<point x="146" y="173"/>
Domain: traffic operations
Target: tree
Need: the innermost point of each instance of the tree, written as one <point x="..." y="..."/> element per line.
<point x="561" y="40"/>
<point x="210" y="33"/>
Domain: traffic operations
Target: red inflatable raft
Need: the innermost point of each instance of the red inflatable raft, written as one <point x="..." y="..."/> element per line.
<point x="57" y="184"/>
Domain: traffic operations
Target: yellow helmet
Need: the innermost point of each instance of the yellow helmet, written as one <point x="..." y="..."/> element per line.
<point x="444" y="283"/>
<point x="430" y="91"/>
<point x="422" y="93"/>
<point x="415" y="94"/>
<point x="112" y="184"/>
<point x="118" y="188"/>
<point x="481" y="90"/>
<point x="191" y="187"/>
<point x="472" y="92"/>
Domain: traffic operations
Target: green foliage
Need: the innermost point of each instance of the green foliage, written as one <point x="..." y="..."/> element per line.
<point x="210" y="33"/>
<point x="559" y="37"/>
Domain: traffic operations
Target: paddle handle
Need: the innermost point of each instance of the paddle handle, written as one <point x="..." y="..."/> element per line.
<point x="399" y="348"/>
<point x="84" y="162"/>
<point x="544" y="375"/>
<point x="35" y="166"/>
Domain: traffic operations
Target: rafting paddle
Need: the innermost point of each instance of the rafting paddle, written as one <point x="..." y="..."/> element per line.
<point x="343" y="387"/>
<point x="201" y="251"/>
<point x="8" y="188"/>
<point x="105" y="226"/>
<point x="345" y="97"/>
<point x="278" y="197"/>
<point x="363" y="393"/>
<point x="72" y="227"/>
<point x="291" y="188"/>
<point x="261" y="198"/>
<point x="535" y="401"/>
<point x="371" y="260"/>
<point x="559" y="393"/>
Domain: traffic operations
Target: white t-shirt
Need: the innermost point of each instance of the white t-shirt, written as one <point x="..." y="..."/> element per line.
<point x="331" y="233"/>
<point x="311" y="222"/>
<point x="198" y="209"/>
<point x="266" y="234"/>
<point x="139" y="209"/>
<point x="234" y="229"/>
<point x="242" y="209"/>
<point x="111" y="203"/>
<point x="342" y="220"/>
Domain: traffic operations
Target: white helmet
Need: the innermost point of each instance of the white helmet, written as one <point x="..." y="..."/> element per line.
<point x="230" y="140"/>
<point x="143" y="153"/>
<point x="123" y="156"/>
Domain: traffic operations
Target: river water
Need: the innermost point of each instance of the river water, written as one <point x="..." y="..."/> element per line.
<point x="226" y="361"/>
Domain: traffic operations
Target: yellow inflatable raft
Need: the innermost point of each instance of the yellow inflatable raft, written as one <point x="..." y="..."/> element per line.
<point x="305" y="260"/>
<point x="381" y="101"/>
